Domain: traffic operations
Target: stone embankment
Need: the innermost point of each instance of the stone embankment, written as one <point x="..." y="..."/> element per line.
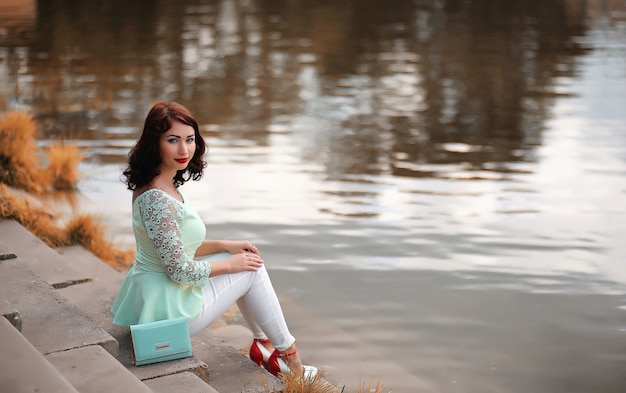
<point x="56" y="334"/>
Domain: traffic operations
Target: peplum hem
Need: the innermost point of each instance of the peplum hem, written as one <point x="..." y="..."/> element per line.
<point x="152" y="296"/>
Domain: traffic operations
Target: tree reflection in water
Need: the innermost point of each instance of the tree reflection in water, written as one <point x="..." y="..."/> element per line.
<point x="405" y="136"/>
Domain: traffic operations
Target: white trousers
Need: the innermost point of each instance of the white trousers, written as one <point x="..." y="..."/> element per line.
<point x="255" y="296"/>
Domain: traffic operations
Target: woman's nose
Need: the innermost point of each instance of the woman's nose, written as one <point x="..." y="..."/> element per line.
<point x="182" y="148"/>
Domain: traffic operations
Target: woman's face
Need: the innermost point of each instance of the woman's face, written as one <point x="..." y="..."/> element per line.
<point x="177" y="147"/>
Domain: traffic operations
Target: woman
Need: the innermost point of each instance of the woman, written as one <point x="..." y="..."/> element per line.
<point x="177" y="272"/>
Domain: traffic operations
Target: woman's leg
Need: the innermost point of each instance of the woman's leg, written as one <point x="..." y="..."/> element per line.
<point x="259" y="305"/>
<point x="257" y="302"/>
<point x="261" y="309"/>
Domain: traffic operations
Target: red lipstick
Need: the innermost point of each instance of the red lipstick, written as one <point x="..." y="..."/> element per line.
<point x="182" y="160"/>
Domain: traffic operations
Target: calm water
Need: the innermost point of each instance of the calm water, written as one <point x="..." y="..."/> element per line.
<point x="481" y="144"/>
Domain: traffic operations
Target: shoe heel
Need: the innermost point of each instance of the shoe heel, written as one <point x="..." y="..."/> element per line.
<point x="255" y="354"/>
<point x="276" y="365"/>
<point x="258" y="353"/>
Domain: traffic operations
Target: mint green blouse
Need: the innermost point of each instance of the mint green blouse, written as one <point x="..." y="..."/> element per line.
<point x="165" y="281"/>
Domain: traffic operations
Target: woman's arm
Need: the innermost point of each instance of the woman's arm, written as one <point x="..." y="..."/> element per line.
<point x="209" y="247"/>
<point x="245" y="256"/>
<point x="232" y="246"/>
<point x="161" y="218"/>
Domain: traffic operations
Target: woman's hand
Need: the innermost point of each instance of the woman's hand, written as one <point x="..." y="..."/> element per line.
<point x="244" y="261"/>
<point x="245" y="256"/>
<point x="239" y="246"/>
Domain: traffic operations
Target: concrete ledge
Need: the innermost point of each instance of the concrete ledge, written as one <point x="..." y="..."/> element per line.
<point x="93" y="370"/>
<point x="6" y="254"/>
<point x="90" y="266"/>
<point x="156" y="370"/>
<point x="95" y="300"/>
<point x="42" y="260"/>
<point x="181" y="382"/>
<point x="15" y="318"/>
<point x="11" y="314"/>
<point x="63" y="322"/>
<point x="222" y="359"/>
<point x="49" y="321"/>
<point x="23" y="369"/>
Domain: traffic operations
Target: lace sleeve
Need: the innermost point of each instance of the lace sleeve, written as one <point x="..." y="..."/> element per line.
<point x="162" y="218"/>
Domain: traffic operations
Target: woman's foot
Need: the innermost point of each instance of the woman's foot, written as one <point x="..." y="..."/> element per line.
<point x="289" y="361"/>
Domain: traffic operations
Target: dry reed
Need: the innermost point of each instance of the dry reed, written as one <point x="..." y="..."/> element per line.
<point x="62" y="171"/>
<point x="18" y="158"/>
<point x="38" y="221"/>
<point x="19" y="168"/>
<point x="86" y="230"/>
<point x="372" y="388"/>
<point x="293" y="383"/>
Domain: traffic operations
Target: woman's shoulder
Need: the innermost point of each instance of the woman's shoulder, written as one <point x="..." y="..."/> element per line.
<point x="144" y="192"/>
<point x="152" y="194"/>
<point x="157" y="200"/>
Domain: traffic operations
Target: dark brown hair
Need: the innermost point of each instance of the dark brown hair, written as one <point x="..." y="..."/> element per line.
<point x="144" y="158"/>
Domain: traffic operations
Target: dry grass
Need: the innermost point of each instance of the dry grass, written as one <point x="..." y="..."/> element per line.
<point x="20" y="168"/>
<point x="379" y="387"/>
<point x="18" y="160"/>
<point x="86" y="230"/>
<point x="38" y="221"/>
<point x="293" y="383"/>
<point x="319" y="384"/>
<point x="62" y="171"/>
<point x="83" y="230"/>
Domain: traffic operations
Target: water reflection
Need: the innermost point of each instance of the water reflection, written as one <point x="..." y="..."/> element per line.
<point x="455" y="94"/>
<point x="481" y="139"/>
<point x="426" y="73"/>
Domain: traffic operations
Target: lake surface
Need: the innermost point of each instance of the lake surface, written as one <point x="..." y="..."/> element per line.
<point x="444" y="181"/>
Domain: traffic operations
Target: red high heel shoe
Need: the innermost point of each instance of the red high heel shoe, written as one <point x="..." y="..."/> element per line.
<point x="276" y="365"/>
<point x="259" y="354"/>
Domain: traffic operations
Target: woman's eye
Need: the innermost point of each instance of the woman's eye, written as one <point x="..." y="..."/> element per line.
<point x="172" y="140"/>
<point x="189" y="140"/>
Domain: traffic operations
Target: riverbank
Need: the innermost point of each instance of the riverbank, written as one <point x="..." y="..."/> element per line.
<point x="61" y="302"/>
<point x="229" y="330"/>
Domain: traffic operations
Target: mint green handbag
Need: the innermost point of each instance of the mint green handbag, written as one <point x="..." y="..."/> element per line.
<point x="159" y="341"/>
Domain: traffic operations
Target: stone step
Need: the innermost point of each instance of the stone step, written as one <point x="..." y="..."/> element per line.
<point x="91" y="369"/>
<point x="216" y="361"/>
<point x="6" y="253"/>
<point x="92" y="267"/>
<point x="49" y="321"/>
<point x="42" y="260"/>
<point x="181" y="382"/>
<point x="95" y="299"/>
<point x="91" y="298"/>
<point x="231" y="370"/>
<point x="23" y="369"/>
